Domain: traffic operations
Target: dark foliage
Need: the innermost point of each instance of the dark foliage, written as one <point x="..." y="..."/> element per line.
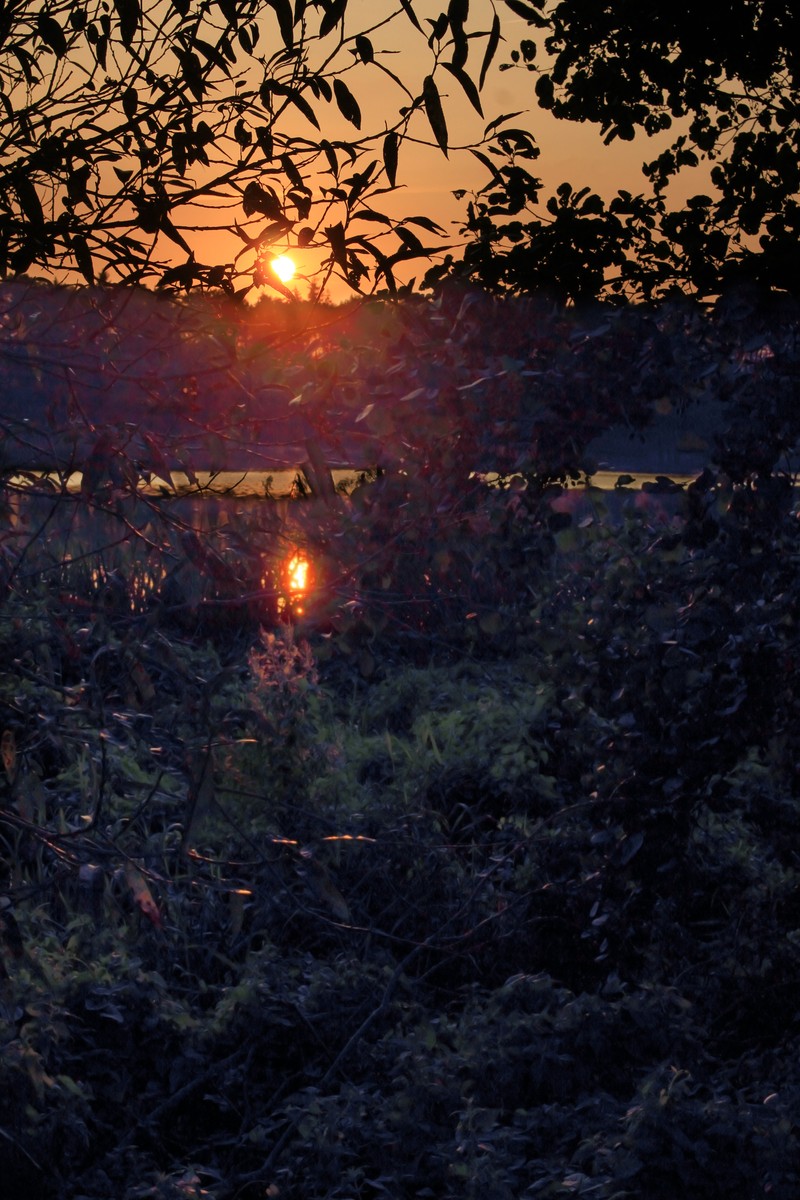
<point x="727" y="88"/>
<point x="482" y="881"/>
<point x="183" y="147"/>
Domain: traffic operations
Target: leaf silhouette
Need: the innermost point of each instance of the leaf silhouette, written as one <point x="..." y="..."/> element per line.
<point x="348" y="105"/>
<point x="470" y="91"/>
<point x="283" y="10"/>
<point x="364" y="47"/>
<point x="433" y="109"/>
<point x="409" y="11"/>
<point x="390" y="147"/>
<point x="335" y="235"/>
<point x="130" y="14"/>
<point x="335" y="10"/>
<point x="491" y="50"/>
<point x="51" y="34"/>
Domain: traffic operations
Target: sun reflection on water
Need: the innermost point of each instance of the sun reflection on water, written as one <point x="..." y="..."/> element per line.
<point x="297" y="581"/>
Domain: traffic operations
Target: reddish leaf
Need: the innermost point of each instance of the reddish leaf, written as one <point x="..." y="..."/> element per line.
<point x="142" y="896"/>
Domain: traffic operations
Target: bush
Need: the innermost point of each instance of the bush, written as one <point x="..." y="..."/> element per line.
<point x="501" y="904"/>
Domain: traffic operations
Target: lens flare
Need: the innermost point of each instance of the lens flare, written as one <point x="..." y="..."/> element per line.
<point x="283" y="267"/>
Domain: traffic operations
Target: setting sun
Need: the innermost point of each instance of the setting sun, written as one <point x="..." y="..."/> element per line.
<point x="283" y="267"/>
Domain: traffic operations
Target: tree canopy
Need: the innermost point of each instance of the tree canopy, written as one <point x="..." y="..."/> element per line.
<point x="136" y="138"/>
<point x="728" y="90"/>
<point x="132" y="134"/>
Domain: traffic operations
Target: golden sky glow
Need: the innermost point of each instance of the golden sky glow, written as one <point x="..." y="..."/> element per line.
<point x="320" y="195"/>
<point x="426" y="178"/>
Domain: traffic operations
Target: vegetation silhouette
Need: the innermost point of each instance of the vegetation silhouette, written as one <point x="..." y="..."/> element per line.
<point x="478" y="877"/>
<point x="133" y="134"/>
<point x="728" y="87"/>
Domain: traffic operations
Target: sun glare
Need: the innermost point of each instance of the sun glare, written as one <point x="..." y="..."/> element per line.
<point x="283" y="267"/>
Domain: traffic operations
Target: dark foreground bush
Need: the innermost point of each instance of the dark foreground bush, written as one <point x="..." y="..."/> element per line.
<point x="512" y="925"/>
<point x="501" y="901"/>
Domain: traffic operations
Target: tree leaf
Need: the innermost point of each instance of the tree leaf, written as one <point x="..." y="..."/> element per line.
<point x="330" y="154"/>
<point x="77" y="184"/>
<point x="299" y="101"/>
<point x="283" y="10"/>
<point x="8" y="753"/>
<point x="242" y="134"/>
<point x="409" y="11"/>
<point x="338" y="244"/>
<point x="26" y="62"/>
<point x="130" y="102"/>
<point x="491" y="50"/>
<point x="142" y="896"/>
<point x="260" y="200"/>
<point x="320" y="87"/>
<point x="369" y="214"/>
<point x="265" y="141"/>
<point x="178" y="153"/>
<point x="433" y="109"/>
<point x="291" y="171"/>
<point x="51" y="34"/>
<point x="192" y="73"/>
<point x="334" y="13"/>
<point x="228" y="10"/>
<point x="171" y="230"/>
<point x="29" y="200"/>
<point x="212" y="55"/>
<point x="490" y="166"/>
<point x="365" y="49"/>
<point x="391" y="144"/>
<point x="460" y="48"/>
<point x="424" y="223"/>
<point x="130" y="14"/>
<point x="469" y="87"/>
<point x="101" y="50"/>
<point x="410" y="240"/>
<point x="83" y="258"/>
<point x="348" y="105"/>
<point x="545" y="91"/>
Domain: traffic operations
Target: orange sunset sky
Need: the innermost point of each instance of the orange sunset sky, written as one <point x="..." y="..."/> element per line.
<point x="426" y="179"/>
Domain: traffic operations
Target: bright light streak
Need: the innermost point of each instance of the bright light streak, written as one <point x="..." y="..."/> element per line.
<point x="283" y="267"/>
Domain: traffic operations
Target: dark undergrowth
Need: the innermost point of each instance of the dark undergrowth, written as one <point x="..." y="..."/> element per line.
<point x="498" y="902"/>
